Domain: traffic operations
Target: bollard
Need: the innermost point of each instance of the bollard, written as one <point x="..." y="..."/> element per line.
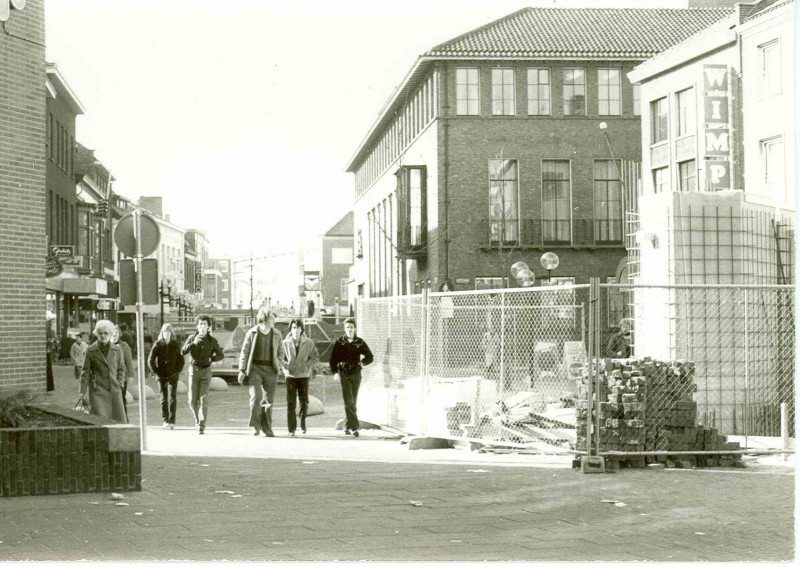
<point x="593" y="464"/>
<point x="784" y="431"/>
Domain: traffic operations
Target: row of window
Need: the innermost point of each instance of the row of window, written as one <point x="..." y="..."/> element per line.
<point x="415" y="115"/>
<point x="685" y="116"/>
<point x="540" y="92"/>
<point x="59" y="145"/>
<point x="556" y="215"/>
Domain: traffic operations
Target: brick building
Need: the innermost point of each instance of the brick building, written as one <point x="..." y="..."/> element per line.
<point x="337" y="258"/>
<point x="22" y="185"/>
<point x="218" y="283"/>
<point x="490" y="151"/>
<point x="62" y="205"/>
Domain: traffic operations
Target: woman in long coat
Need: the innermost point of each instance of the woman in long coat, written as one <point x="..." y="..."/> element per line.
<point x="103" y="375"/>
<point x="130" y="369"/>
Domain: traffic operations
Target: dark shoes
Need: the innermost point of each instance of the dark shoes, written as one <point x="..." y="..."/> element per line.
<point x="256" y="432"/>
<point x="347" y="432"/>
<point x="304" y="431"/>
<point x="291" y="434"/>
<point x="269" y="434"/>
<point x="355" y="432"/>
<point x="201" y="428"/>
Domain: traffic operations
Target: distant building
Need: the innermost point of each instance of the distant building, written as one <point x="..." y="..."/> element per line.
<point x="337" y="258"/>
<point x="490" y="152"/>
<point x="218" y="291"/>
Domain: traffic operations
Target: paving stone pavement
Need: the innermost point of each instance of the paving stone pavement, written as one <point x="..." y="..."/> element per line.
<point x="262" y="509"/>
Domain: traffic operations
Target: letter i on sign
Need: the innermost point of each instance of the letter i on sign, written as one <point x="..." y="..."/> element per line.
<point x="7" y="5"/>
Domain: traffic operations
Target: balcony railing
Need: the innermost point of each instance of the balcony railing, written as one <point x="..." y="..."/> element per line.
<point x="537" y="232"/>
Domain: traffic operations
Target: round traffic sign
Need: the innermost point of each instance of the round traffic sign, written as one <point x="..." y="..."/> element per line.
<point x="125" y="239"/>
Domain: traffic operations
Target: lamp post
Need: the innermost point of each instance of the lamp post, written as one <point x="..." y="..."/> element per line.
<point x="523" y="274"/>
<point x="549" y="262"/>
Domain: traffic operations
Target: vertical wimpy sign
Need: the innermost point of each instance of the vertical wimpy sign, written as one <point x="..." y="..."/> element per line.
<point x="717" y="134"/>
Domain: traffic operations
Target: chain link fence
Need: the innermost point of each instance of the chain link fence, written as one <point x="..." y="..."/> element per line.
<point x="511" y="366"/>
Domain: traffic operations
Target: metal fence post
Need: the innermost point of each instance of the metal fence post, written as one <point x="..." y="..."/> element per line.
<point x="746" y="370"/>
<point x="502" y="345"/>
<point x="424" y="343"/>
<point x="594" y="285"/>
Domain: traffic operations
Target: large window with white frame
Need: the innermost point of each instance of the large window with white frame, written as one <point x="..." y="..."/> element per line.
<point x="637" y="99"/>
<point x="503" y="89"/>
<point x="468" y="91"/>
<point x="685" y="109"/>
<point x="661" y="182"/>
<point x="503" y="200"/>
<point x="687" y="176"/>
<point x="574" y="92"/>
<point x="556" y="201"/>
<point x="607" y="202"/>
<point x="659" y="116"/>
<point x="491" y="282"/>
<point x="608" y="92"/>
<point x="539" y="92"/>
<point x="772" y="168"/>
<point x="770" y="68"/>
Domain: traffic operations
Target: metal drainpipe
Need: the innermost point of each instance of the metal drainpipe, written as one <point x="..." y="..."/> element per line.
<point x="443" y="106"/>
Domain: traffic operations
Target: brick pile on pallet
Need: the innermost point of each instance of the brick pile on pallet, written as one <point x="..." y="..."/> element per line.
<point x="647" y="405"/>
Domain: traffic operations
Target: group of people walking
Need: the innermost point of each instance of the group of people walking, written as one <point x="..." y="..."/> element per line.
<point x="105" y="367"/>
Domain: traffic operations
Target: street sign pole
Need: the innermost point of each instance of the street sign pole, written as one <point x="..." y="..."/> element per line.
<point x="137" y="231"/>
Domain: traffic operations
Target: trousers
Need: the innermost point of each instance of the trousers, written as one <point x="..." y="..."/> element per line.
<point x="169" y="398"/>
<point x="296" y="387"/>
<point x="350" y="385"/>
<point x="199" y="380"/>
<point x="263" y="382"/>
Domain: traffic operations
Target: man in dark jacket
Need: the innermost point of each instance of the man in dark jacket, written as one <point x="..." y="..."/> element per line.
<point x="350" y="353"/>
<point x="204" y="350"/>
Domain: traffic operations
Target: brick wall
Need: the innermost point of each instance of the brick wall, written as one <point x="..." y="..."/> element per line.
<point x="22" y="187"/>
<point x="65" y="460"/>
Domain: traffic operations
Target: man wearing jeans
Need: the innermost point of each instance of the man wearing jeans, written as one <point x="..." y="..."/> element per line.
<point x="259" y="361"/>
<point x="204" y="350"/>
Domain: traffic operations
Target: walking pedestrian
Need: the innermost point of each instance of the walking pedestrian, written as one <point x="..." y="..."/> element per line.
<point x="102" y="376"/>
<point x="77" y="353"/>
<point x="350" y="353"/>
<point x="127" y="356"/>
<point x="259" y="362"/>
<point x="166" y="362"/>
<point x="204" y="350"/>
<point x="299" y="357"/>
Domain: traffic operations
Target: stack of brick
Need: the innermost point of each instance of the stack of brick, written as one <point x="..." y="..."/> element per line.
<point x="647" y="405"/>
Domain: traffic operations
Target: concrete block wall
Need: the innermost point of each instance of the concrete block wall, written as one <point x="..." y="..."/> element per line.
<point x="22" y="187"/>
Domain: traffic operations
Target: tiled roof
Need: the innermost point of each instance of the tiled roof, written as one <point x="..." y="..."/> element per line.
<point x="581" y="32"/>
<point x="765" y="6"/>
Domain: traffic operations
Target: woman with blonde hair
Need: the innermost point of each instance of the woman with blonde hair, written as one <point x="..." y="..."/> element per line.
<point x="166" y="362"/>
<point x="103" y="375"/>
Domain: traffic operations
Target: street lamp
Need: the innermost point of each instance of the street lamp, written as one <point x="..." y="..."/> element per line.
<point x="523" y="274"/>
<point x="549" y="262"/>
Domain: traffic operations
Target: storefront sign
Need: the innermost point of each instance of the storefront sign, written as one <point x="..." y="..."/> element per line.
<point x="62" y="250"/>
<point x="311" y="281"/>
<point x="105" y="305"/>
<point x="717" y="140"/>
<point x="52" y="267"/>
<point x="72" y="261"/>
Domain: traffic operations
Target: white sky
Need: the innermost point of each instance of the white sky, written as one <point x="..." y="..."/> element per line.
<point x="243" y="114"/>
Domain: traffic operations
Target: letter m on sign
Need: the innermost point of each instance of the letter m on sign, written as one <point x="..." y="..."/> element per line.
<point x="716" y="77"/>
<point x="717" y="143"/>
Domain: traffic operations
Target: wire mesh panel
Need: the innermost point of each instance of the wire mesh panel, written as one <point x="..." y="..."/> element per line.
<point x="708" y="361"/>
<point x="391" y="390"/>
<point x="499" y="364"/>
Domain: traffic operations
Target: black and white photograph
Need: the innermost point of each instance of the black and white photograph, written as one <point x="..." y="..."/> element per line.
<point x="398" y="281"/>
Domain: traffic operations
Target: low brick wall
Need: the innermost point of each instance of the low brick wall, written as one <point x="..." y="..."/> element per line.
<point x="99" y="456"/>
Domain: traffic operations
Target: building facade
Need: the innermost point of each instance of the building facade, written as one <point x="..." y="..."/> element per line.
<point x="23" y="226"/>
<point x="718" y="206"/>
<point x="218" y="291"/>
<point x="491" y="152"/>
<point x="337" y="258"/>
